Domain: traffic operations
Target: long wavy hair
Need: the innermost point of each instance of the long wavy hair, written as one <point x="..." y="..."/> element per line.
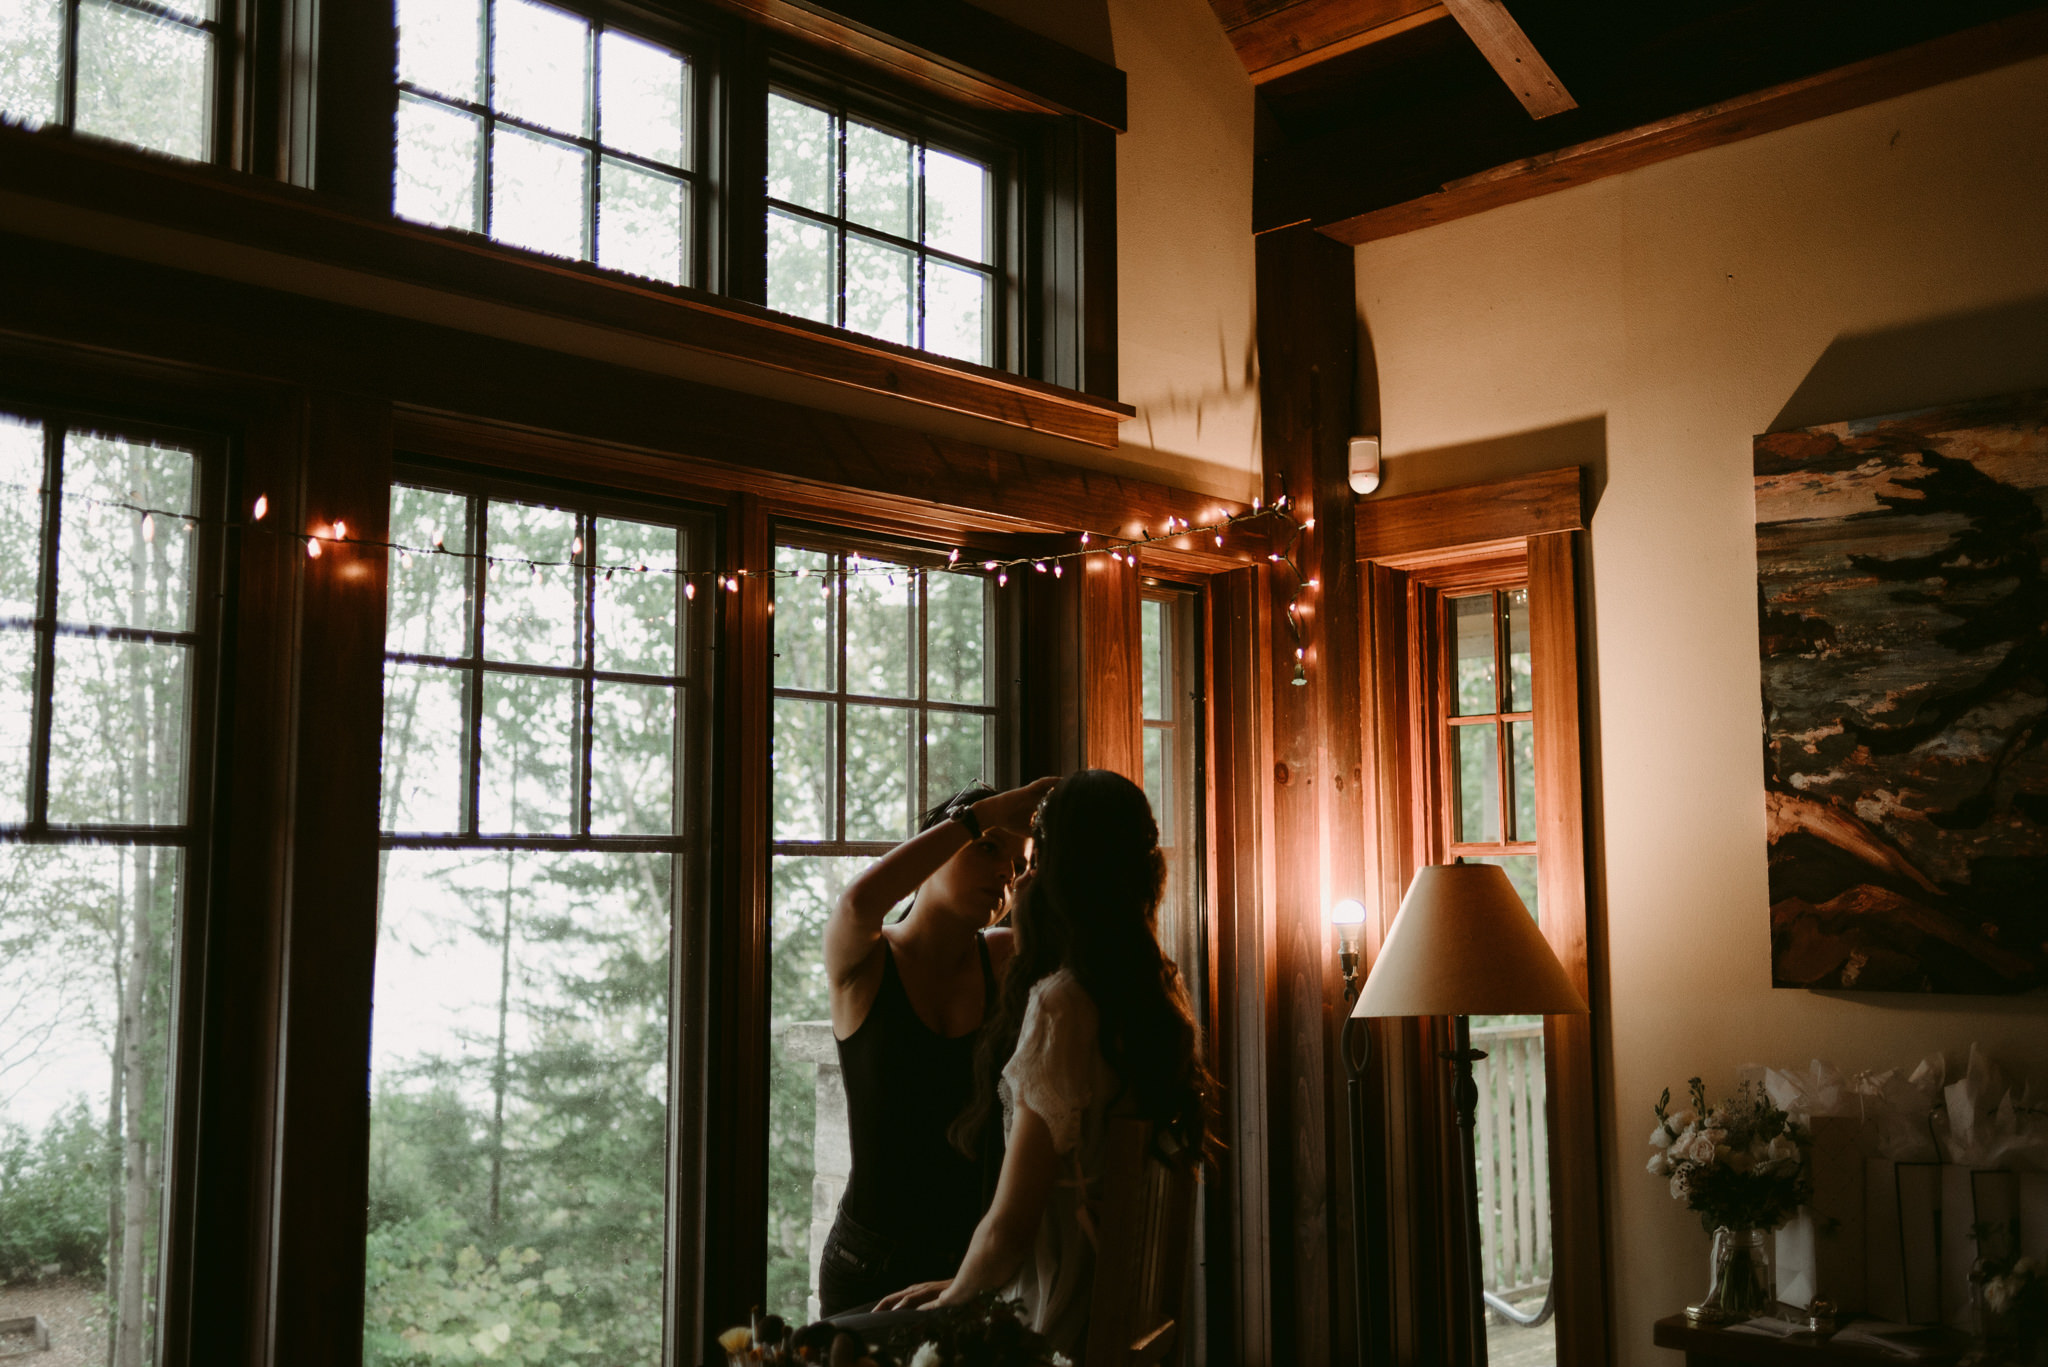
<point x="1093" y="908"/>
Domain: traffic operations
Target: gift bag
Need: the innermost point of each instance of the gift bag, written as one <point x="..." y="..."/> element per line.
<point x="1821" y="1250"/>
<point x="1902" y="1241"/>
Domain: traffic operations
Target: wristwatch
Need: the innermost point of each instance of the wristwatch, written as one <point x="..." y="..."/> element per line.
<point x="964" y="814"/>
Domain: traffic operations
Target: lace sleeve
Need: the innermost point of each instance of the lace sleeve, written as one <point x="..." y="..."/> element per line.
<point x="1053" y="1070"/>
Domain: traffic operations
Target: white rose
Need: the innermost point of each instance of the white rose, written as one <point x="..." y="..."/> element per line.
<point x="1660" y="1138"/>
<point x="1680" y="1120"/>
<point x="1998" y="1294"/>
<point x="1701" y="1148"/>
<point x="1783" y="1150"/>
<point x="927" y="1355"/>
<point x="1660" y="1163"/>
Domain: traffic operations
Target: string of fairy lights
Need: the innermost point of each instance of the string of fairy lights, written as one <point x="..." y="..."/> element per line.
<point x="1118" y="550"/>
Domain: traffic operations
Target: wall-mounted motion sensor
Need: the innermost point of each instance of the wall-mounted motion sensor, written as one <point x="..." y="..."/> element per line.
<point x="1365" y="464"/>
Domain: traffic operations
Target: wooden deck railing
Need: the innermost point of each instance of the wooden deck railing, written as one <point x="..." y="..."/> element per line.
<point x="1511" y="1146"/>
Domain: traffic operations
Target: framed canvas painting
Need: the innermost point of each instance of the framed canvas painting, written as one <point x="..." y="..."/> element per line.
<point x="1902" y="611"/>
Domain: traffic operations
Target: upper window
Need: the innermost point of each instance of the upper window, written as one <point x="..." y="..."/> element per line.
<point x="879" y="232"/>
<point x="546" y="130"/>
<point x="1489" y="738"/>
<point x="102" y="638"/>
<point x="135" y="71"/>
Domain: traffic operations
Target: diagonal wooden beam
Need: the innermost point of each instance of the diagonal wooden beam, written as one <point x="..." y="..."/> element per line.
<point x="1280" y="42"/>
<point x="1508" y="50"/>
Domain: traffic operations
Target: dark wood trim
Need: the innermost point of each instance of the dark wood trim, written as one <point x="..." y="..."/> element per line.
<point x="1578" y="1225"/>
<point x="1246" y="977"/>
<point x="734" y="1238"/>
<point x="319" y="1208"/>
<point x="1112" y="732"/>
<point x="1948" y="58"/>
<point x="1414" y="530"/>
<point x="1291" y="39"/>
<point x="357" y="252"/>
<point x="1507" y="49"/>
<point x="1307" y="338"/>
<point x="957" y="50"/>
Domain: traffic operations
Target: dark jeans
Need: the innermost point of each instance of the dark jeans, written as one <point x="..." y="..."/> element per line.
<point x="858" y="1267"/>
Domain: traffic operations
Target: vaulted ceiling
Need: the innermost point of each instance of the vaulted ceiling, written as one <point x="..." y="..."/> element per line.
<point x="1380" y="116"/>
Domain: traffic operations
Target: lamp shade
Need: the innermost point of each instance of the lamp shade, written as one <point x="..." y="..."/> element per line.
<point x="1464" y="945"/>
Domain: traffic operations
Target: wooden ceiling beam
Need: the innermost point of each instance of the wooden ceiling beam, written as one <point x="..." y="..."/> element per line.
<point x="1508" y="51"/>
<point x="1280" y="42"/>
<point x="1947" y="58"/>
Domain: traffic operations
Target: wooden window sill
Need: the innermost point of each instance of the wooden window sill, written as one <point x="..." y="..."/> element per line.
<point x="251" y="212"/>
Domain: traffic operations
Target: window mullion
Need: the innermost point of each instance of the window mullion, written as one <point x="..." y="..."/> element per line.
<point x="839" y="701"/>
<point x="586" y="526"/>
<point x="489" y="122"/>
<point x="593" y="56"/>
<point x="46" y="624"/>
<point x="479" y="546"/>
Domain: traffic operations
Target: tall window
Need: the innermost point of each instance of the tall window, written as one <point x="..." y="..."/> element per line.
<point x="135" y="71"/>
<point x="886" y="703"/>
<point x="879" y="232"/>
<point x="543" y="680"/>
<point x="101" y="636"/>
<point x="546" y="130"/>
<point x="1169" y="703"/>
<point x="1487" y="737"/>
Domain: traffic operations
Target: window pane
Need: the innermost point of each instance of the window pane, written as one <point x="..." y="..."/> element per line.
<point x="21" y="515"/>
<point x="428" y="612"/>
<point x="881" y="180"/>
<point x="1515" y="603"/>
<point x="956" y="633"/>
<point x="808" y="1153"/>
<point x="881" y="640"/>
<point x="87" y="954"/>
<point x="540" y="66"/>
<point x="528" y="784"/>
<point x="956" y="312"/>
<point x="802" y="157"/>
<point x="31" y="59"/>
<point x="642" y="98"/>
<point x="191" y="9"/>
<point x="1153" y="667"/>
<point x="632" y="759"/>
<point x="1522" y="763"/>
<point x="142" y="80"/>
<point x="640" y="222"/>
<point x="1472" y="655"/>
<point x="956" y="215"/>
<point x="802" y="276"/>
<point x="533" y="614"/>
<point x="441" y="46"/>
<point x="955" y="754"/>
<point x="17" y="720"/>
<point x="1478" y="782"/>
<point x="426" y="739"/>
<point x="518" y="1130"/>
<point x="805" y="620"/>
<point x="880" y="764"/>
<point x="113" y="567"/>
<point x="540" y="193"/>
<point x="439" y="150"/>
<point x="637" y="624"/>
<point x="879" y="290"/>
<point x="1511" y="1152"/>
<point x="1159" y="779"/>
<point x="117" y="733"/>
<point x="805" y="747"/>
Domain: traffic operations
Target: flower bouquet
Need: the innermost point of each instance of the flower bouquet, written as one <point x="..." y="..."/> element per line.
<point x="1742" y="1165"/>
<point x="985" y="1332"/>
<point x="2011" y="1295"/>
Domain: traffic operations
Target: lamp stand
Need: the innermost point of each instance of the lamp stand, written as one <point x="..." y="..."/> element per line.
<point x="1354" y="1090"/>
<point x="1465" y="1095"/>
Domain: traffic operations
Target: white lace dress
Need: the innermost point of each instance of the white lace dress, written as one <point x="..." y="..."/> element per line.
<point x="1059" y="1072"/>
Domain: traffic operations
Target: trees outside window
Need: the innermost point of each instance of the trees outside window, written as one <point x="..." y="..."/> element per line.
<point x="879" y="232"/>
<point x="543" y="670"/>
<point x="134" y="71"/>
<point x="547" y="130"/>
<point x="100" y="634"/>
<point x="886" y="704"/>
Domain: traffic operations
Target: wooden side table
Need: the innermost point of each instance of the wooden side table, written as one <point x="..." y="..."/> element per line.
<point x="1714" y="1347"/>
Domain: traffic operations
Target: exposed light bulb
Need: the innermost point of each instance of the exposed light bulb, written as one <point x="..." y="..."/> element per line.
<point x="312" y="548"/>
<point x="261" y="509"/>
<point x="575" y="547"/>
<point x="1002" y="579"/>
<point x="340" y="530"/>
<point x="689" y="588"/>
<point x="149" y="526"/>
<point x="1056" y="570"/>
<point x="952" y="557"/>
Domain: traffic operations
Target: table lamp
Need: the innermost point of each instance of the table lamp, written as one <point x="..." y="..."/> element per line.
<point x="1463" y="944"/>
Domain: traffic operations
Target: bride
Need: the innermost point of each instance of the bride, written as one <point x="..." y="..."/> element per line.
<point x="1094" y="1021"/>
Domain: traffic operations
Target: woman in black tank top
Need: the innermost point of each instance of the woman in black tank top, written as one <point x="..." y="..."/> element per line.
<point x="908" y="1001"/>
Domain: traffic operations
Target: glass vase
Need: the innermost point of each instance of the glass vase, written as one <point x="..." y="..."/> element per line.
<point x="1745" y="1282"/>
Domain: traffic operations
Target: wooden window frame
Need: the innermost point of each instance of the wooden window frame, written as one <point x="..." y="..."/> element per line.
<point x="1410" y="548"/>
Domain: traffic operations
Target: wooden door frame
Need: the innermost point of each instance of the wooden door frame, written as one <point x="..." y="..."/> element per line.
<point x="1408" y="548"/>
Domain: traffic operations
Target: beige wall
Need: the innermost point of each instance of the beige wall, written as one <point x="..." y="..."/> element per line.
<point x="1887" y="258"/>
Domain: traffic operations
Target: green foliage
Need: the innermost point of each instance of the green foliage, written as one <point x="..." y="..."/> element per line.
<point x="53" y="1196"/>
<point x="430" y="1303"/>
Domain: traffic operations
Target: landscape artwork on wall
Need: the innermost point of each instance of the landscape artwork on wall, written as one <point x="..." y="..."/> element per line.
<point x="1902" y="587"/>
